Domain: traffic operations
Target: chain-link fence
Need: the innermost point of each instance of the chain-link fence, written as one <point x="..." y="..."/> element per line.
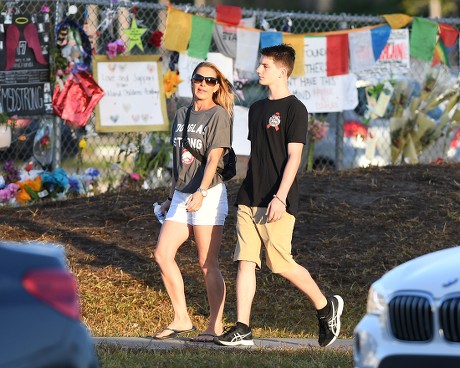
<point x="117" y="155"/>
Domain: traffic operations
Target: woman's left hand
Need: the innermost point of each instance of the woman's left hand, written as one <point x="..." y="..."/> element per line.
<point x="194" y="202"/>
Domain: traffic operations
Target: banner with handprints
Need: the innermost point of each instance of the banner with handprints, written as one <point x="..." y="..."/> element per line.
<point x="134" y="100"/>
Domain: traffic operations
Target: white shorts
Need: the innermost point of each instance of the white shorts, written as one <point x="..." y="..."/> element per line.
<point x="213" y="211"/>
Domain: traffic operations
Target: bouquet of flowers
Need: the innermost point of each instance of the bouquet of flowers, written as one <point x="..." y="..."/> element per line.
<point x="421" y="109"/>
<point x="317" y="130"/>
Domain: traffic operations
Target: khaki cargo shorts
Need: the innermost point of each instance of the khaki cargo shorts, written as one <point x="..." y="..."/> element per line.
<point x="253" y="231"/>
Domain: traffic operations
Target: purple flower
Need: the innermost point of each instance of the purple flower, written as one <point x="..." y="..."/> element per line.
<point x="120" y="46"/>
<point x="111" y="50"/>
<point x="115" y="48"/>
<point x="92" y="172"/>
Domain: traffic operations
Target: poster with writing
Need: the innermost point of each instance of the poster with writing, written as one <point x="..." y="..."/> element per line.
<point x="25" y="88"/>
<point x="134" y="99"/>
<point x="394" y="59"/>
<point x="316" y="90"/>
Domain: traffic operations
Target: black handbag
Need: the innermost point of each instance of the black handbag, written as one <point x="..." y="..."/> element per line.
<point x="229" y="169"/>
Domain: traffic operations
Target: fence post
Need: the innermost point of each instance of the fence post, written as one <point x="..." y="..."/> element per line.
<point x="57" y="154"/>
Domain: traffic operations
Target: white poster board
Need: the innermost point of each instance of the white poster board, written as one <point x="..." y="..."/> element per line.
<point x="134" y="99"/>
<point x="241" y="145"/>
<point x="394" y="59"/>
<point x="316" y="90"/>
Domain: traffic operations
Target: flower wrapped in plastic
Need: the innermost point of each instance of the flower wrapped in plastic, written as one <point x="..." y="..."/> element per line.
<point x="115" y="48"/>
<point x="55" y="182"/>
<point x="9" y="193"/>
<point x="317" y="130"/>
<point x="29" y="190"/>
<point x="427" y="117"/>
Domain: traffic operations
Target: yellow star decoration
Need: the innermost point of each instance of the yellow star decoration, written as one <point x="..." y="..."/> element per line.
<point x="134" y="35"/>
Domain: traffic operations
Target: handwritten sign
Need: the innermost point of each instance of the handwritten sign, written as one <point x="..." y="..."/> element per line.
<point x="25" y="88"/>
<point x="316" y="90"/>
<point x="134" y="99"/>
<point x="394" y="59"/>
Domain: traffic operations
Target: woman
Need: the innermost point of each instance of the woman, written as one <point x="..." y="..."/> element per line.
<point x="197" y="200"/>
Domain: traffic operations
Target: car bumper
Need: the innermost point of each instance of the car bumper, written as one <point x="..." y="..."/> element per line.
<point x="375" y="348"/>
<point x="76" y="348"/>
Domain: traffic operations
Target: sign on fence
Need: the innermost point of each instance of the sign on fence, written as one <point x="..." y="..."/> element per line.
<point x="24" y="64"/>
<point x="316" y="90"/>
<point x="134" y="99"/>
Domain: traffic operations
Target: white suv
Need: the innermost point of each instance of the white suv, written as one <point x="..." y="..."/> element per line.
<point x="413" y="315"/>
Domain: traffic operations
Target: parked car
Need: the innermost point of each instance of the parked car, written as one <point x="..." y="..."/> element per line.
<point x="413" y="315"/>
<point x="40" y="323"/>
<point x="22" y="142"/>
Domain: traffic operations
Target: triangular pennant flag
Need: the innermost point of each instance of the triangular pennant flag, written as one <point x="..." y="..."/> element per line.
<point x="178" y="30"/>
<point x="246" y="53"/>
<point x="380" y="37"/>
<point x="337" y="54"/>
<point x="448" y="34"/>
<point x="397" y="21"/>
<point x="268" y="39"/>
<point x="228" y="14"/>
<point x="423" y="38"/>
<point x="297" y="42"/>
<point x="440" y="54"/>
<point x="201" y="36"/>
<point x="361" y="52"/>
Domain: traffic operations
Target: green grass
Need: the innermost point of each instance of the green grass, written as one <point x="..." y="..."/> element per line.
<point x="113" y="357"/>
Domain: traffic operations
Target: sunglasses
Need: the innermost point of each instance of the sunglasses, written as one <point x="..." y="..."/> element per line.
<point x="198" y="78"/>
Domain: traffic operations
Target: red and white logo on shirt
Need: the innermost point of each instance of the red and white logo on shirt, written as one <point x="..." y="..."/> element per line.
<point x="274" y="121"/>
<point x="187" y="157"/>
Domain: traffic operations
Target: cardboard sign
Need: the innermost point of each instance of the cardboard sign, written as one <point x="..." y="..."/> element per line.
<point x="134" y="99"/>
<point x="316" y="90"/>
<point x="24" y="65"/>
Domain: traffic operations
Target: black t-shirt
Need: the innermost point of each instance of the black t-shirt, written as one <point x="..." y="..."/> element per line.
<point x="272" y="125"/>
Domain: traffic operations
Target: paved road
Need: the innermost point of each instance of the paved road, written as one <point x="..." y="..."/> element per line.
<point x="269" y="343"/>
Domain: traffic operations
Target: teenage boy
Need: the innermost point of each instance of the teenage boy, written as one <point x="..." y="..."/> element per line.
<point x="268" y="200"/>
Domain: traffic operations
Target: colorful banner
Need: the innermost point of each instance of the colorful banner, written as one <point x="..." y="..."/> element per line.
<point x="423" y="39"/>
<point x="178" y="30"/>
<point x="316" y="90"/>
<point x="394" y="59"/>
<point x="246" y="53"/>
<point x="200" y="39"/>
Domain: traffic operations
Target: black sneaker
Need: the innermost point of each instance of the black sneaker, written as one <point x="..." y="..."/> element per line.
<point x="329" y="326"/>
<point x="236" y="335"/>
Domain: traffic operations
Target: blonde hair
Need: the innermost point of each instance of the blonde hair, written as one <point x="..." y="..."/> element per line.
<point x="225" y="94"/>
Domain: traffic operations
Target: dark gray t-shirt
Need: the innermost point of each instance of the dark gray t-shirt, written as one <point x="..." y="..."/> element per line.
<point x="206" y="130"/>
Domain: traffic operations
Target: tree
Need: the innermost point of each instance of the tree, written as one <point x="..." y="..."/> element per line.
<point x="449" y="8"/>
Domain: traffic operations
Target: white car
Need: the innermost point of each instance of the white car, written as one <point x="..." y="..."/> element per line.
<point x="413" y="315"/>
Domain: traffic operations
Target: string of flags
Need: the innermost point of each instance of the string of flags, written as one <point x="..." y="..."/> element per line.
<point x="347" y="51"/>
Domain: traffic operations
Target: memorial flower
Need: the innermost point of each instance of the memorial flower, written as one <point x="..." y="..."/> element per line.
<point x="170" y="82"/>
<point x="317" y="130"/>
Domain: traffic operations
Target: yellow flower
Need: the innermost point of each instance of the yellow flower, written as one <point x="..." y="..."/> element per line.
<point x="170" y="82"/>
<point x="82" y="144"/>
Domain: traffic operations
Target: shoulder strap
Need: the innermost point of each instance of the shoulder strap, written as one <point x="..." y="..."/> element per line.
<point x="185" y="143"/>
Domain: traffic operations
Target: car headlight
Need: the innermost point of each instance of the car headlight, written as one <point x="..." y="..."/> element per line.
<point x="375" y="302"/>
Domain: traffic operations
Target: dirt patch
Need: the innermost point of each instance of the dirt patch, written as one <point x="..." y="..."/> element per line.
<point x="352" y="227"/>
